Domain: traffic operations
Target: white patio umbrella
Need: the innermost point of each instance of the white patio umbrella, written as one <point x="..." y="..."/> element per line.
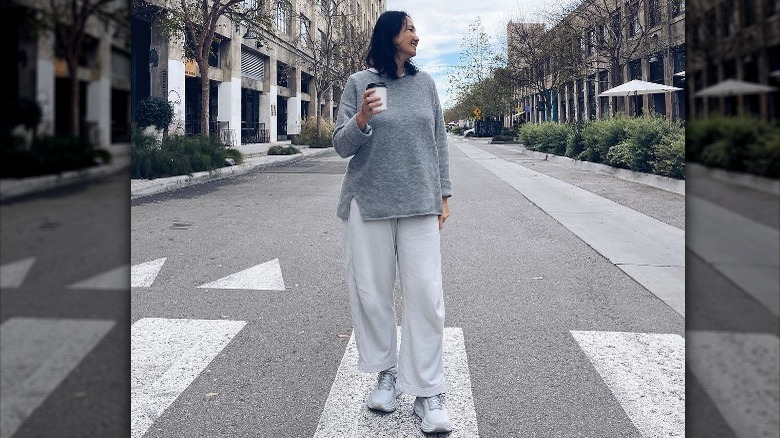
<point x="734" y="87"/>
<point x="637" y="87"/>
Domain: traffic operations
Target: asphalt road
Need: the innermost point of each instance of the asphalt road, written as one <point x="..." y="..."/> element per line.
<point x="69" y="235"/>
<point x="517" y="283"/>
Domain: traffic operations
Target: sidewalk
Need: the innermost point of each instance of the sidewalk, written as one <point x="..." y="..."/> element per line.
<point x="15" y="187"/>
<point x="254" y="158"/>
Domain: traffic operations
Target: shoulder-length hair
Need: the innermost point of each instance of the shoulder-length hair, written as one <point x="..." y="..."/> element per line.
<point x="382" y="50"/>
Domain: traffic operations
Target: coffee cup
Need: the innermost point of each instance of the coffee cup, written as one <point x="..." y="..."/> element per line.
<point x="381" y="91"/>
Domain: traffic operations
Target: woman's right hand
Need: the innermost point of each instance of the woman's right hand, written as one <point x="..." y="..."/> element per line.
<point x="367" y="106"/>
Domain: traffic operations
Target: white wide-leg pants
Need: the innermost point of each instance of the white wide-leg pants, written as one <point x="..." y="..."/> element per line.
<point x="373" y="249"/>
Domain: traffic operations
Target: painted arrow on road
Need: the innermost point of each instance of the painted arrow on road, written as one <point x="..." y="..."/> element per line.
<point x="265" y="276"/>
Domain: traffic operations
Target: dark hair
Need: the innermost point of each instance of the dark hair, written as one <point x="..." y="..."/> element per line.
<point x="382" y="50"/>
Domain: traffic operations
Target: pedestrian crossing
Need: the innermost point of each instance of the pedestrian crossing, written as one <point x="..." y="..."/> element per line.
<point x="36" y="355"/>
<point x="166" y="356"/>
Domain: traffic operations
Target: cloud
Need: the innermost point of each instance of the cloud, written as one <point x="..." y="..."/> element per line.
<point x="442" y="25"/>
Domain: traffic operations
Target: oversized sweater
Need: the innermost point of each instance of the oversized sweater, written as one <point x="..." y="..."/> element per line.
<point x="400" y="163"/>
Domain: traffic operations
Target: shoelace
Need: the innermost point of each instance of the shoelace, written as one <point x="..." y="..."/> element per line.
<point x="386" y="380"/>
<point x="436" y="402"/>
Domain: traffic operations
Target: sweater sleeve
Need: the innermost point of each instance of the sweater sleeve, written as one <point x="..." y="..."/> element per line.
<point x="442" y="149"/>
<point x="348" y="137"/>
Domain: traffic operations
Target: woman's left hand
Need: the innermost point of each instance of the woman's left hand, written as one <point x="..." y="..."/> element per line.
<point x="445" y="212"/>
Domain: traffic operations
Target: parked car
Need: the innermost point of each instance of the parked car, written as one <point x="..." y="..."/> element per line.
<point x="469" y="133"/>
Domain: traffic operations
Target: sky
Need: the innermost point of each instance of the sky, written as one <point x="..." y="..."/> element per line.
<point x="441" y="26"/>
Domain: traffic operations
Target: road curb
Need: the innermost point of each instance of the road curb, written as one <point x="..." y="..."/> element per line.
<point x="661" y="182"/>
<point x="14" y="188"/>
<point x="140" y="188"/>
<point x="755" y="182"/>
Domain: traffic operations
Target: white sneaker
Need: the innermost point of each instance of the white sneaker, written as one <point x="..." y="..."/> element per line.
<point x="433" y="414"/>
<point x="384" y="396"/>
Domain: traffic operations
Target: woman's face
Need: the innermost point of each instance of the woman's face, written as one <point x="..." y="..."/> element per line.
<point x="406" y="41"/>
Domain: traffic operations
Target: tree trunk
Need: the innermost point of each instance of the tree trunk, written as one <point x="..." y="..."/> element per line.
<point x="204" y="97"/>
<point x="75" y="97"/>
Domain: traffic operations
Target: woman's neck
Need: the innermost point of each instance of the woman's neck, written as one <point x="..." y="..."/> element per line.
<point x="401" y="63"/>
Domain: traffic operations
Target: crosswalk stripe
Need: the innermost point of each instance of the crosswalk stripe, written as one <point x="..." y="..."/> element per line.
<point x="12" y="274"/>
<point x="745" y="251"/>
<point x="740" y="372"/>
<point x="144" y="274"/>
<point x="36" y="355"/>
<point x="265" y="276"/>
<point x="345" y="414"/>
<point x="115" y="279"/>
<point x="166" y="357"/>
<point x="646" y="373"/>
<point x="646" y="249"/>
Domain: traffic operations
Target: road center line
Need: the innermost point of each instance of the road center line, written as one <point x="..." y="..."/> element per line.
<point x="345" y="414"/>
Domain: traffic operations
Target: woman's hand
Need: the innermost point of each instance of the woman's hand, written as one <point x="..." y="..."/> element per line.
<point x="367" y="108"/>
<point x="445" y="212"/>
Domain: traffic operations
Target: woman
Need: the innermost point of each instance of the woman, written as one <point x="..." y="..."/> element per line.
<point x="393" y="204"/>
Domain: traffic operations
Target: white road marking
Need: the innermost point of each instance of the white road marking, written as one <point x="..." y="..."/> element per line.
<point x="265" y="276"/>
<point x="345" y="414"/>
<point x="143" y="275"/>
<point x="36" y="355"/>
<point x="646" y="249"/>
<point x="115" y="279"/>
<point x="744" y="251"/>
<point x="740" y="372"/>
<point x="12" y="274"/>
<point x="646" y="373"/>
<point x="166" y="357"/>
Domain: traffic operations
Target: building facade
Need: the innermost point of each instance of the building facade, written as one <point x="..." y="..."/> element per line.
<point x="615" y="41"/>
<point x="103" y="72"/>
<point x="735" y="40"/>
<point x="261" y="89"/>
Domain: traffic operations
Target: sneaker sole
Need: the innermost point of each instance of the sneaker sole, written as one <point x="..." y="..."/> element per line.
<point x="428" y="428"/>
<point x="383" y="408"/>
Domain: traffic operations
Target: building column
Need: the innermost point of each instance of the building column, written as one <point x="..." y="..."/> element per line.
<point x="294" y="104"/>
<point x="268" y="108"/>
<point x="44" y="93"/>
<point x="99" y="94"/>
<point x="229" y="90"/>
<point x="172" y="81"/>
<point x="585" y="99"/>
<point x="576" y="93"/>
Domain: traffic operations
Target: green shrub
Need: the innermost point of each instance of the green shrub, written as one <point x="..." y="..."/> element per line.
<point x="670" y="155"/>
<point x="600" y="135"/>
<point x="283" y="150"/>
<point x="575" y="143"/>
<point x="548" y="137"/>
<point x="732" y="143"/>
<point x="177" y="155"/>
<point x="48" y="155"/>
<point x="457" y="130"/>
<point x="308" y="135"/>
<point x="641" y="138"/>
<point x="154" y="111"/>
<point x="763" y="157"/>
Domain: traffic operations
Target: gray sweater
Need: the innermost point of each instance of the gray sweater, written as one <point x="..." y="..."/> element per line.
<point x="400" y="166"/>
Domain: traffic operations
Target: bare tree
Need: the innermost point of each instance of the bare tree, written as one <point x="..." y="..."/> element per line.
<point x="608" y="33"/>
<point x="539" y="60"/>
<point x="197" y="22"/>
<point x="333" y="50"/>
<point x="68" y="20"/>
<point x="477" y="60"/>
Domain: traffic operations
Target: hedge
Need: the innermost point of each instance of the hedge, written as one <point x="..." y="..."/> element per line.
<point x="645" y="144"/>
<point x="177" y="155"/>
